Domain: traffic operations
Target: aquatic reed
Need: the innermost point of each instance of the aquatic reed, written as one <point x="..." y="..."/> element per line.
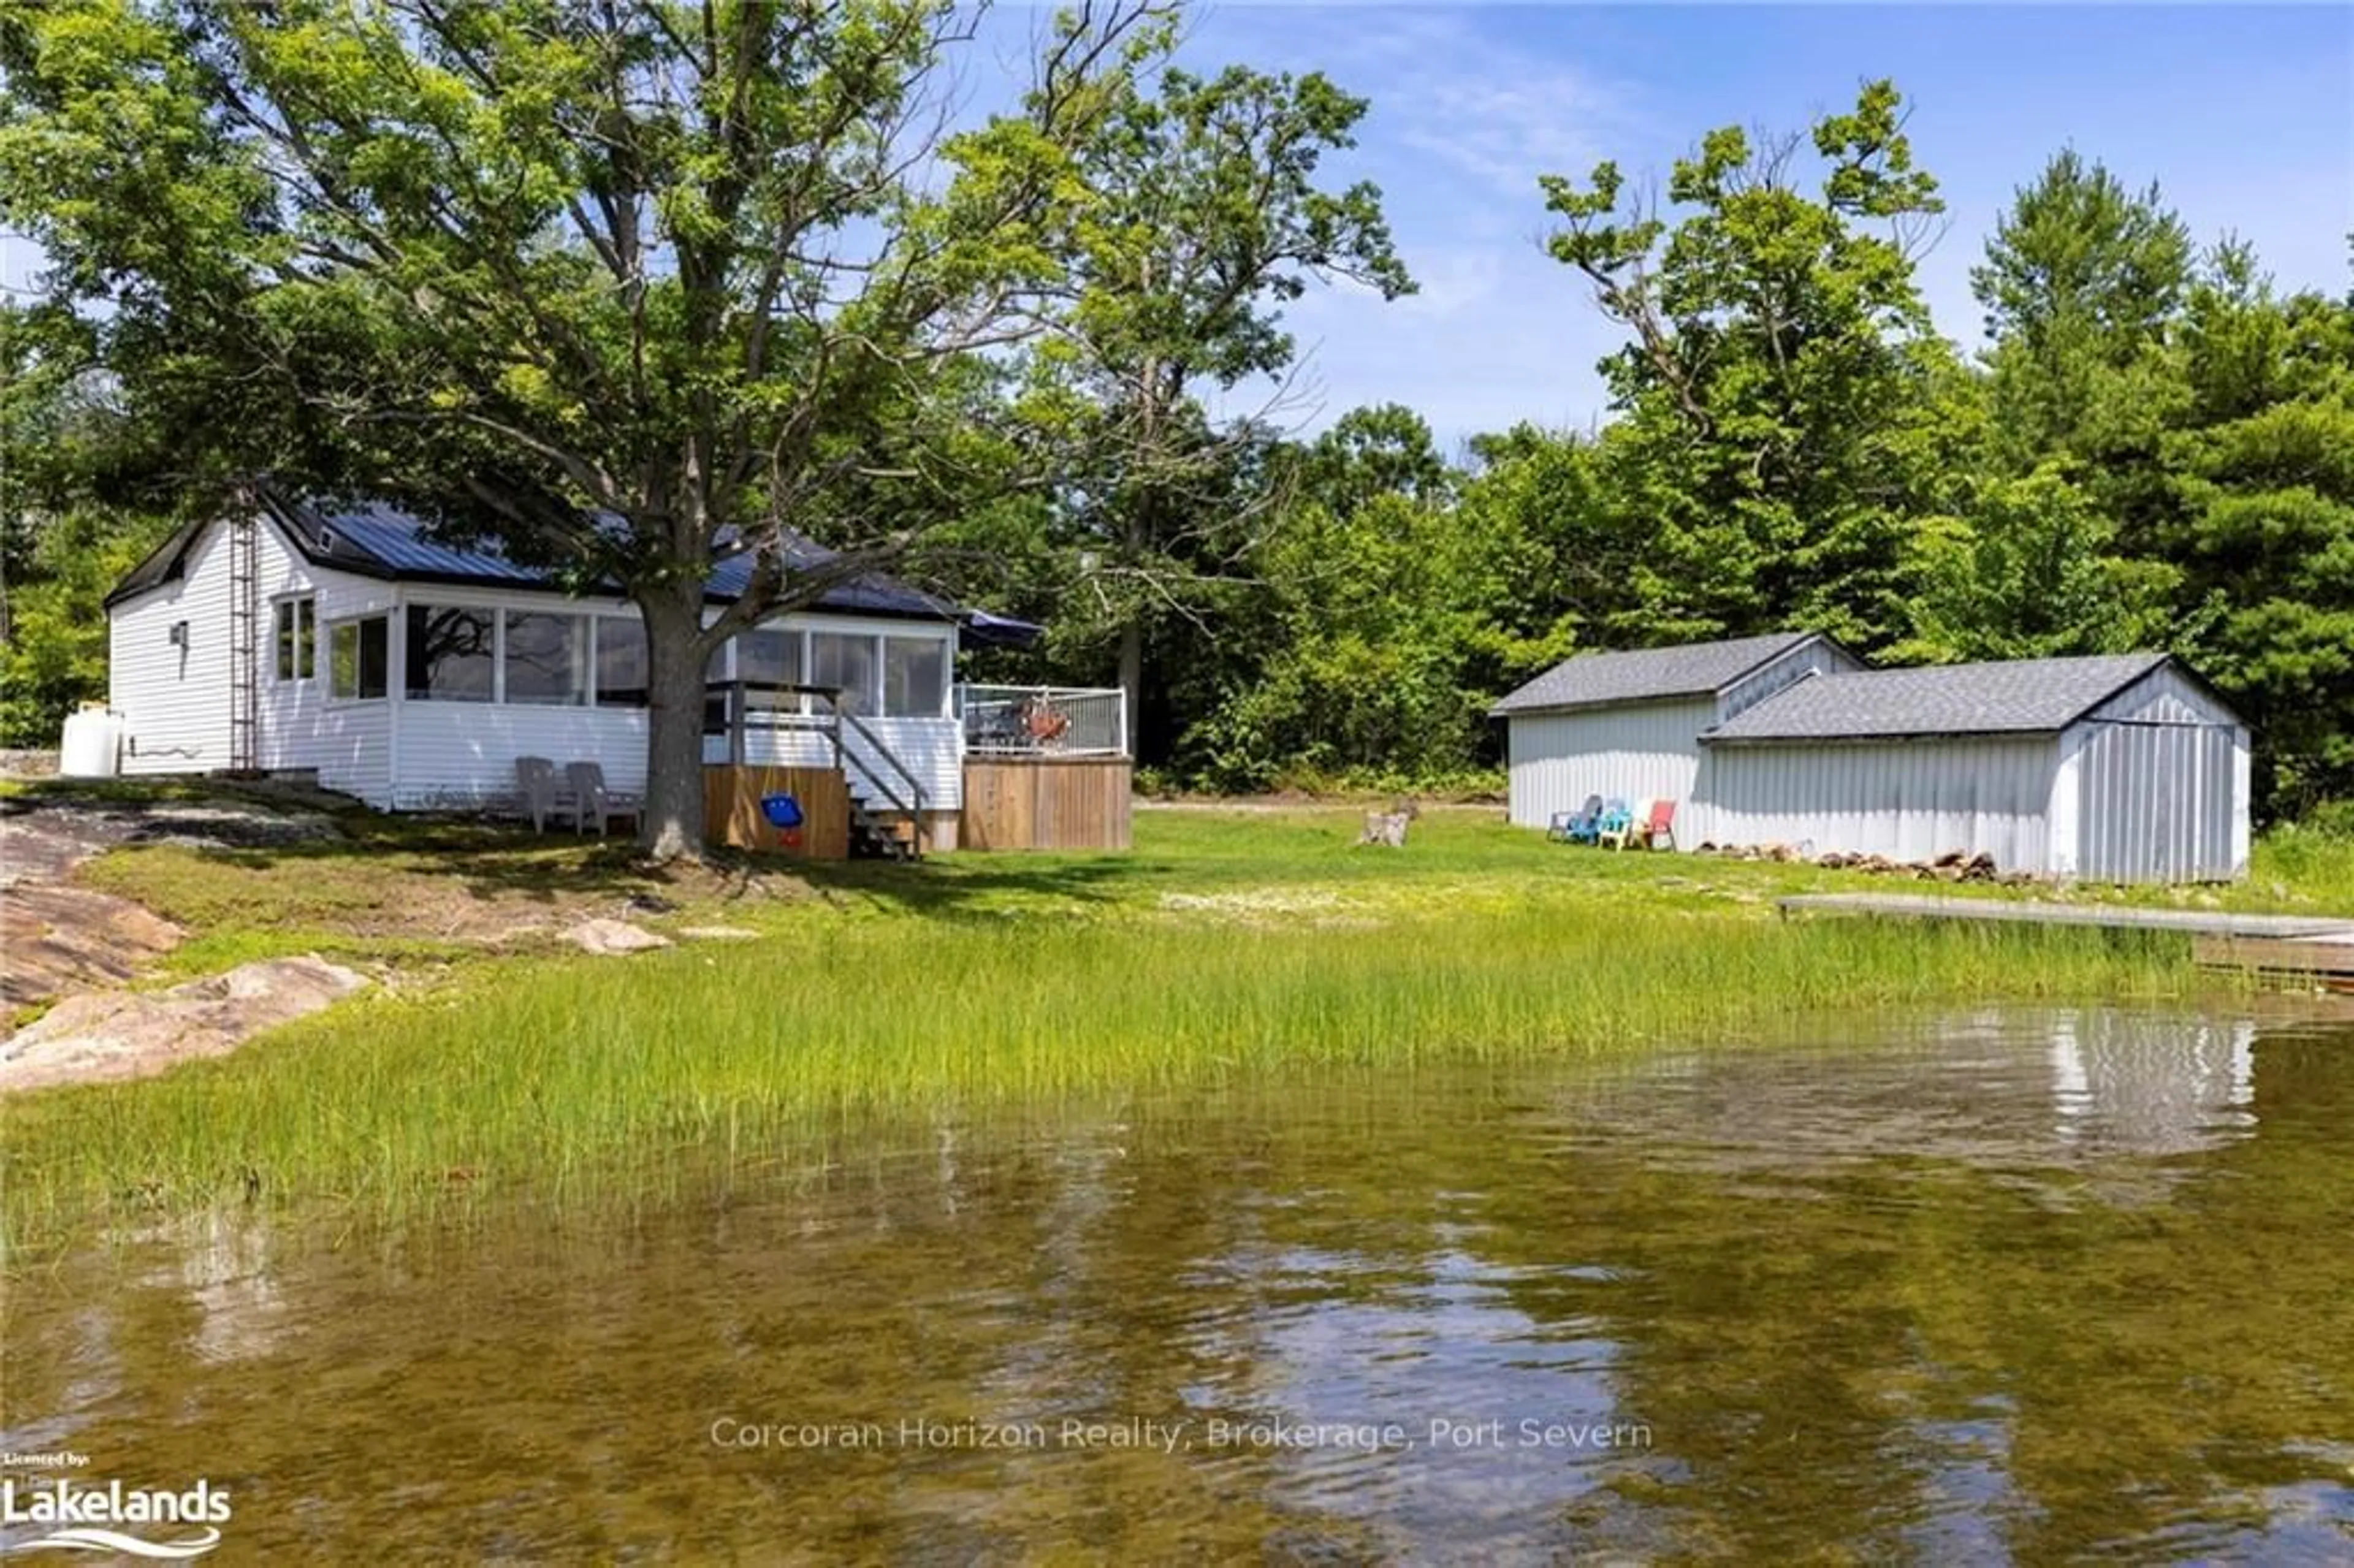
<point x="571" y="1080"/>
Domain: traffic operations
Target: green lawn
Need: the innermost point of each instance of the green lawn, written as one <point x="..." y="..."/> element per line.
<point x="1229" y="941"/>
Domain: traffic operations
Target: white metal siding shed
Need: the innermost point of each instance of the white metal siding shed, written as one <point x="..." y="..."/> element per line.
<point x="2119" y="768"/>
<point x="1628" y="725"/>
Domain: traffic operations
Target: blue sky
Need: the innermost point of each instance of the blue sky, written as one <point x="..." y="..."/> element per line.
<point x="2244" y="116"/>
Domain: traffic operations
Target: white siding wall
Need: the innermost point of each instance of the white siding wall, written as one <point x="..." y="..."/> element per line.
<point x="2242" y="793"/>
<point x="350" y="743"/>
<point x="462" y="753"/>
<point x="930" y="748"/>
<point x="400" y="754"/>
<point x="1906" y="800"/>
<point x="174" y="701"/>
<point x="1631" y="751"/>
<point x="1637" y="750"/>
<point x="455" y="754"/>
<point x="2061" y="851"/>
<point x="2163" y="789"/>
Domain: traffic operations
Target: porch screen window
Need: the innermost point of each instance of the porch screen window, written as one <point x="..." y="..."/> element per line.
<point x="715" y="702"/>
<point x="621" y="661"/>
<point x="769" y="653"/>
<point x="450" y="654"/>
<point x="359" y="657"/>
<point x="848" y="662"/>
<point x="295" y="632"/>
<point x="915" y="676"/>
<point x="546" y="658"/>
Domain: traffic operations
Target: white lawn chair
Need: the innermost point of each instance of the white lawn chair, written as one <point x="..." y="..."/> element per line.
<point x="592" y="802"/>
<point x="542" y="798"/>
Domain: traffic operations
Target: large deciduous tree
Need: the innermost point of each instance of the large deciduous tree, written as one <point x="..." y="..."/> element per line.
<point x="1206" y="218"/>
<point x="619" y="284"/>
<point x="1780" y="382"/>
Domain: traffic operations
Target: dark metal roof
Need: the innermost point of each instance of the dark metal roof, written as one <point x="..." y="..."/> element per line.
<point x="166" y="563"/>
<point x="371" y="533"/>
<point x="870" y="595"/>
<point x="1693" y="670"/>
<point x="2021" y="696"/>
<point x="372" y="539"/>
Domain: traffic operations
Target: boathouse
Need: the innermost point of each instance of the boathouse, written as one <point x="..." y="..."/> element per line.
<point x="2122" y="768"/>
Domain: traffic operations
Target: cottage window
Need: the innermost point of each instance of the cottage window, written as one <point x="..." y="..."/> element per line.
<point x="451" y="652"/>
<point x="621" y="661"/>
<point x="546" y="658"/>
<point x="848" y="664"/>
<point x="295" y="630"/>
<point x="359" y="657"/>
<point x="915" y="676"/>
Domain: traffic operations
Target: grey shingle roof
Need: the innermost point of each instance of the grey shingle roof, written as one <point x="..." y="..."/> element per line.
<point x="2023" y="697"/>
<point x="1693" y="670"/>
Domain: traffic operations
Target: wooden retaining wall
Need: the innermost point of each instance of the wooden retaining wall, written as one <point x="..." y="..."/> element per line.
<point x="732" y="816"/>
<point x="1046" y="803"/>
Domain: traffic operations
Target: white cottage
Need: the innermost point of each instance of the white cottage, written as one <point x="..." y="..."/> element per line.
<point x="1628" y="726"/>
<point x="411" y="674"/>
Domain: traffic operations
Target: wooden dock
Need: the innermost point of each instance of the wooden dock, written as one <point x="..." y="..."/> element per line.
<point x="2318" y="948"/>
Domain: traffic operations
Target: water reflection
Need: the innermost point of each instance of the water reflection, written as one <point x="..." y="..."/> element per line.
<point x="2153" y="1085"/>
<point x="2009" y="1285"/>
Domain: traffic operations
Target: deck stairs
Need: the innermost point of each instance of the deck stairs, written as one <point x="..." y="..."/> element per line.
<point x="888" y="799"/>
<point x="879" y="831"/>
<point x="885" y="798"/>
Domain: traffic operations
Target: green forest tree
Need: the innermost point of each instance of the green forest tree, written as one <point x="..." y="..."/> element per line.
<point x="2263" y="471"/>
<point x="1390" y="612"/>
<point x="1781" y="373"/>
<point x="1207" y="216"/>
<point x="612" y="284"/>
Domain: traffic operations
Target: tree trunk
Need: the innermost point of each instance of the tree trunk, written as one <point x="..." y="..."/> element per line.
<point x="673" y="827"/>
<point x="1131" y="675"/>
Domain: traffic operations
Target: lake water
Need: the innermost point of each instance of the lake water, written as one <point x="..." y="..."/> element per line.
<point x="2031" y="1286"/>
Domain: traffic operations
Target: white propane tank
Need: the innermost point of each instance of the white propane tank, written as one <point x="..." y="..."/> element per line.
<point x="93" y="745"/>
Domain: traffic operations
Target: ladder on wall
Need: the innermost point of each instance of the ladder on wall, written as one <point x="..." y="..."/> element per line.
<point x="244" y="649"/>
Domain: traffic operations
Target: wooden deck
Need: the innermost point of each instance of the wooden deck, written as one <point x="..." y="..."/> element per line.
<point x="2313" y="946"/>
<point x="1046" y="803"/>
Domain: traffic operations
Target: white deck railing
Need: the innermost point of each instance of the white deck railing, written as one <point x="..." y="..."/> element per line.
<point x="1044" y="721"/>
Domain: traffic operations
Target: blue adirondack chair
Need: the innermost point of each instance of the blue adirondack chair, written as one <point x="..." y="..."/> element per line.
<point x="1580" y="826"/>
<point x="1614" y="824"/>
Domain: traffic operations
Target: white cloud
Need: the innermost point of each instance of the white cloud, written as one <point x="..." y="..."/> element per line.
<point x="1457" y="97"/>
<point x="1461" y="124"/>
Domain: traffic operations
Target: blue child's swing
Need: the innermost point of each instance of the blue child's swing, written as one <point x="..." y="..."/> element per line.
<point x="784" y="814"/>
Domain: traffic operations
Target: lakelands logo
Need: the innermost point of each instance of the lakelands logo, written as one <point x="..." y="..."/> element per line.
<point x="91" y="1519"/>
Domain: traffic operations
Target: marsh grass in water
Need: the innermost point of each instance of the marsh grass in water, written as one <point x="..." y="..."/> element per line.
<point x="1229" y="942"/>
<point x="582" y="1081"/>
